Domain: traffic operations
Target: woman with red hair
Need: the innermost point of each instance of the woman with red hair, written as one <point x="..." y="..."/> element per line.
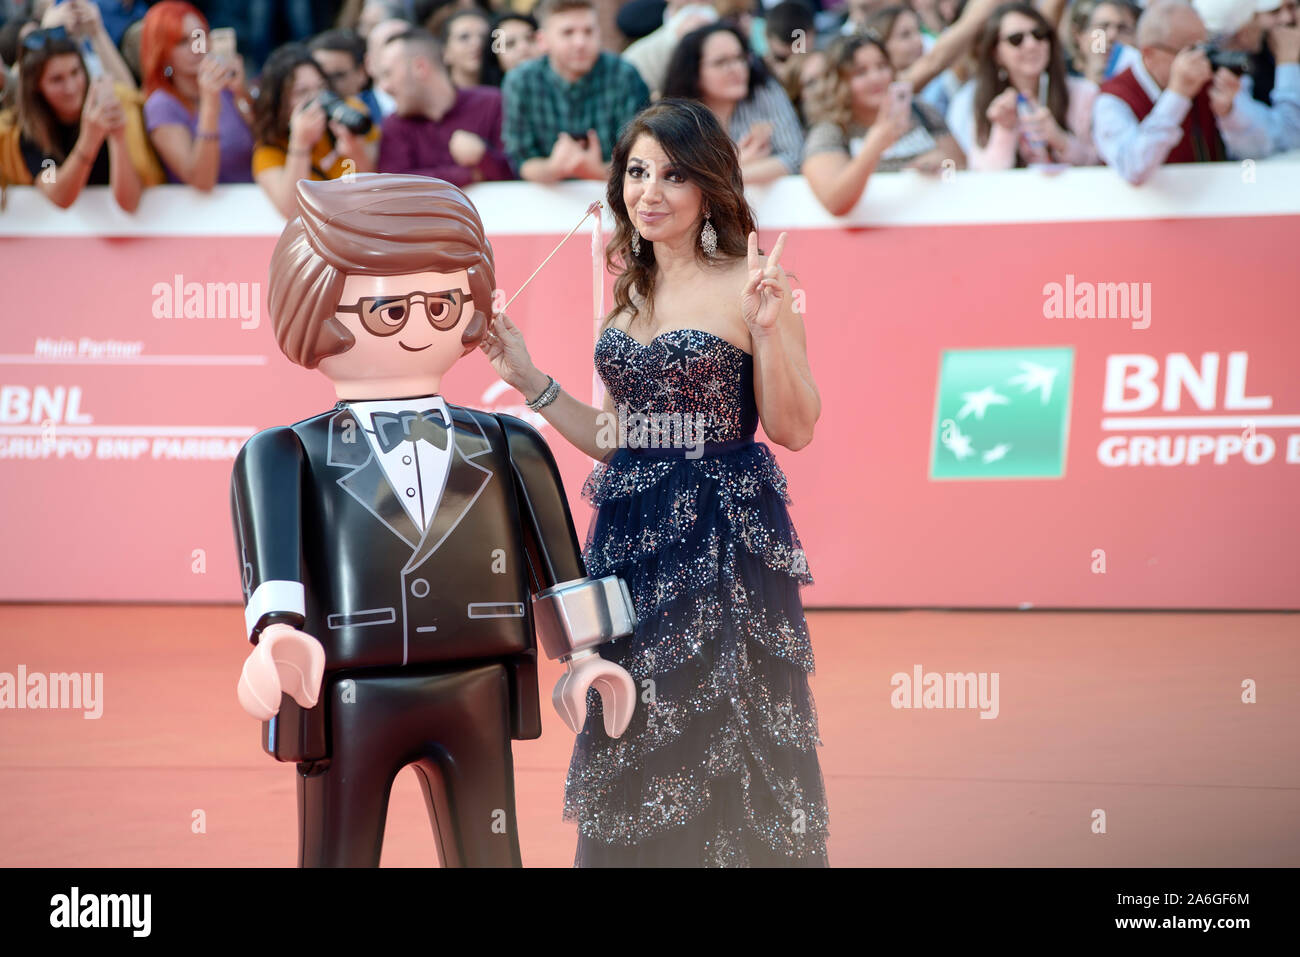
<point x="197" y="104"/>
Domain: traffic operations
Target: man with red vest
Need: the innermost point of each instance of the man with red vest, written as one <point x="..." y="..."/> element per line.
<point x="1170" y="106"/>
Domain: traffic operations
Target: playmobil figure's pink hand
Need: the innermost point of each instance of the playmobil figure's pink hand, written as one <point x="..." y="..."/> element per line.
<point x="617" y="693"/>
<point x="285" y="660"/>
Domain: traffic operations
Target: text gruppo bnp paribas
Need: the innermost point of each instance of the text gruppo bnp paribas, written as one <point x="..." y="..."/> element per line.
<point x="54" y="422"/>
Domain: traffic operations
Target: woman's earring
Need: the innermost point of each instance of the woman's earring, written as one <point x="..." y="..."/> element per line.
<point x="167" y="70"/>
<point x="1002" y="74"/>
<point x="636" y="243"/>
<point x="709" y="238"/>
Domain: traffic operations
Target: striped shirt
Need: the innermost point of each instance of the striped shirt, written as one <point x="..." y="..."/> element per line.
<point x="540" y="104"/>
<point x="771" y="104"/>
<point x="926" y="128"/>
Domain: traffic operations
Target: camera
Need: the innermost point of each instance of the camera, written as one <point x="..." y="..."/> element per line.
<point x="1236" y="61"/>
<point x="340" y="112"/>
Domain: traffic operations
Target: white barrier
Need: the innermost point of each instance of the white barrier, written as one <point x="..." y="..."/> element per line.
<point x="908" y="198"/>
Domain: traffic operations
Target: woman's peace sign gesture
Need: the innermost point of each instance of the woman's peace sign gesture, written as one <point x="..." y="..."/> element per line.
<point x="767" y="293"/>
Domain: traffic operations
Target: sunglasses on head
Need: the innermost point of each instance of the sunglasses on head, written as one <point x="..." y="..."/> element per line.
<point x="37" y="39"/>
<point x="1017" y="38"/>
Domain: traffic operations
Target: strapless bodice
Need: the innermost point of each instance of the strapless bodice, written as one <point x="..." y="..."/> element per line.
<point x="681" y="374"/>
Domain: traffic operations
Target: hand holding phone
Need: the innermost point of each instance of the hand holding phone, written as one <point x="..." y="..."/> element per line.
<point x="899" y="100"/>
<point x="221" y="42"/>
<point x="221" y="48"/>
<point x="1033" y="117"/>
<point x="101" y="112"/>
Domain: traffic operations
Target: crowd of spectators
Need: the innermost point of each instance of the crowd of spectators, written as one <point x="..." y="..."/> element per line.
<point x="132" y="93"/>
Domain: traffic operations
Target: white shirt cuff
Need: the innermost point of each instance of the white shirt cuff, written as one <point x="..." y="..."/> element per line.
<point x="273" y="596"/>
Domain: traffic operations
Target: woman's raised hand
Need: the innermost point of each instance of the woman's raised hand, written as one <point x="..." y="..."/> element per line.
<point x="212" y="77"/>
<point x="768" y="291"/>
<point x="1002" y="109"/>
<point x="97" y="114"/>
<point x="505" y="348"/>
<point x="307" y="124"/>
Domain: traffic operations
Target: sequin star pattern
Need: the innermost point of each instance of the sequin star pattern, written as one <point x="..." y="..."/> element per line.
<point x="719" y="768"/>
<point x="680" y="355"/>
<point x="727" y="849"/>
<point x="674" y="373"/>
<point x="616" y="364"/>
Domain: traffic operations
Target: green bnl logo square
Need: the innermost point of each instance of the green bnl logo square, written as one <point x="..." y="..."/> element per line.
<point x="1002" y="413"/>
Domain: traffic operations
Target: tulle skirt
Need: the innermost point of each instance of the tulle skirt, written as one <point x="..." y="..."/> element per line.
<point x="719" y="765"/>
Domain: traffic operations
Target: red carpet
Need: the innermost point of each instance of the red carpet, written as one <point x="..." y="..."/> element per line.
<point x="1139" y="715"/>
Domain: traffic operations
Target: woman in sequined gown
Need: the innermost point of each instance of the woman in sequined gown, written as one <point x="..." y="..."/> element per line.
<point x="719" y="765"/>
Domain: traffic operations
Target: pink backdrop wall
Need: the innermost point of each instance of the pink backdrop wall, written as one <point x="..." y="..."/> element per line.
<point x="884" y="302"/>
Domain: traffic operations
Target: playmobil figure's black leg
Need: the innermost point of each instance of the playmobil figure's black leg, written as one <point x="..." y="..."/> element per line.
<point x="454" y="727"/>
<point x="343" y="801"/>
<point x="468" y="776"/>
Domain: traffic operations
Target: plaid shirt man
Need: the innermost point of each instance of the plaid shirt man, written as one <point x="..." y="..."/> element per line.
<point x="539" y="105"/>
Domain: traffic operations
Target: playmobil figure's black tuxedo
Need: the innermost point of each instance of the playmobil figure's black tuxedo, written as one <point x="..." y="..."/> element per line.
<point x="428" y="632"/>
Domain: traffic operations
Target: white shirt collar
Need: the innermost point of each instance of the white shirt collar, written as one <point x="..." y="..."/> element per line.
<point x="364" y="410"/>
<point x="1149" y="86"/>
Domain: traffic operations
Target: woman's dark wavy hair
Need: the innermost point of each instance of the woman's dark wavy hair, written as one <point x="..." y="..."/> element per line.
<point x="988" y="84"/>
<point x="704" y="154"/>
<point x="444" y="32"/>
<point x="35" y="115"/>
<point x="492" y="74"/>
<point x="684" y="67"/>
<point x="270" y="111"/>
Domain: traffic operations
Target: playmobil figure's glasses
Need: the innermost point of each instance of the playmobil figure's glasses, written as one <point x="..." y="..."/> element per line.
<point x="386" y="315"/>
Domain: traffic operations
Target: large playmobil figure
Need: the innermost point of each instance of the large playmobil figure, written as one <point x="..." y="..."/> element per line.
<point x="406" y="534"/>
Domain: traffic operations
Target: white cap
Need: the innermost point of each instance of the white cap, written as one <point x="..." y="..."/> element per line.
<point x="1267" y="6"/>
<point x="1223" y="18"/>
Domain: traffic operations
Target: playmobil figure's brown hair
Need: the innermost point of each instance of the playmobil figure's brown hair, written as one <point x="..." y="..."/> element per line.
<point x="371" y="224"/>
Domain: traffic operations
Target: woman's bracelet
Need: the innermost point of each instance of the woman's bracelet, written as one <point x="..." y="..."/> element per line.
<point x="201" y="135"/>
<point x="547" y="397"/>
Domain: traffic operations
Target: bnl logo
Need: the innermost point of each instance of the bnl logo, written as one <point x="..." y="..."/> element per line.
<point x="1002" y="413"/>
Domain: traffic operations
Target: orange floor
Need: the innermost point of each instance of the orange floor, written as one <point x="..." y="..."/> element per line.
<point x="1136" y="715"/>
